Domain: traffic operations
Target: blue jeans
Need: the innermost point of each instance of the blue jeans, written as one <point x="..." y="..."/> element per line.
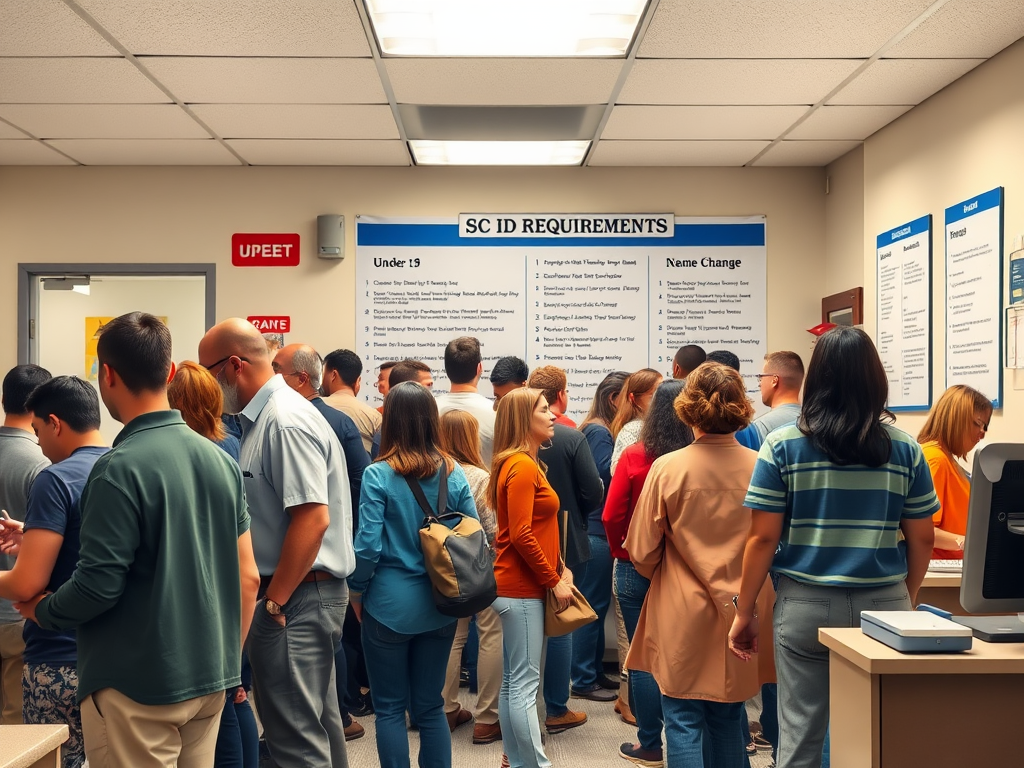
<point x="522" y="627"/>
<point x="594" y="579"/>
<point x="556" y="674"/>
<point x="702" y="734"/>
<point x="770" y="715"/>
<point x="644" y="695"/>
<point x="408" y="670"/>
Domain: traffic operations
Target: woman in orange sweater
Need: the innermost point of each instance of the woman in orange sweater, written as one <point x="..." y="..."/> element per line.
<point x="956" y="424"/>
<point x="526" y="565"/>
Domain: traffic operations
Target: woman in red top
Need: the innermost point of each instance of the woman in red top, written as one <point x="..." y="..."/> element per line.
<point x="526" y="565"/>
<point x="662" y="433"/>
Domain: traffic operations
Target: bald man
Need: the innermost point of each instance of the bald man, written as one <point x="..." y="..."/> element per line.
<point x="298" y="494"/>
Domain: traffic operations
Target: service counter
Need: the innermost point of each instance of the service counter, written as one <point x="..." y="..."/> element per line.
<point x="31" y="746"/>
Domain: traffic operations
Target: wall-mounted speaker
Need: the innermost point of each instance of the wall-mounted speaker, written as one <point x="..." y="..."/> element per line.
<point x="330" y="236"/>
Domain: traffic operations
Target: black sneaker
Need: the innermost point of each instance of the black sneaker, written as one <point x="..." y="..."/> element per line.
<point x="607" y="683"/>
<point x="651" y="758"/>
<point x="595" y="693"/>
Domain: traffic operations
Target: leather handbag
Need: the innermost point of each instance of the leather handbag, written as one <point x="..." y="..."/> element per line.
<point x="455" y="554"/>
<point x="577" y="614"/>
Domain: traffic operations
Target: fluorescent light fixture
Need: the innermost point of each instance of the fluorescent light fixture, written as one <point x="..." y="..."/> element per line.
<point x="505" y="27"/>
<point x="498" y="152"/>
<point x="83" y="289"/>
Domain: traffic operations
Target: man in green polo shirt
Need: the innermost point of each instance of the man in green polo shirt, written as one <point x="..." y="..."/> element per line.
<point x="166" y="581"/>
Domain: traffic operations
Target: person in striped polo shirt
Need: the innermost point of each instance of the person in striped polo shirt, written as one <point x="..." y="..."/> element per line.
<point x="830" y="496"/>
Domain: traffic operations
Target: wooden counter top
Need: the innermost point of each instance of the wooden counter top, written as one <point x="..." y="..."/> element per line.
<point x="932" y="579"/>
<point x="22" y="745"/>
<point x="876" y="658"/>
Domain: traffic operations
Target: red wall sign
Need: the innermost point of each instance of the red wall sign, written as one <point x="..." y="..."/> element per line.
<point x="271" y="323"/>
<point x="263" y="250"/>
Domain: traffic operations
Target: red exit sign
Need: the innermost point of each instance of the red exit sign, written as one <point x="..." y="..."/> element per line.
<point x="271" y="323"/>
<point x="263" y="250"/>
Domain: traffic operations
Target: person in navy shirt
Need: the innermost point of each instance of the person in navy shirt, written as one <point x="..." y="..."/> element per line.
<point x="66" y="418"/>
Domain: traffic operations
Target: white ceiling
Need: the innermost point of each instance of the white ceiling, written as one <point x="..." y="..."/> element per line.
<point x="264" y="82"/>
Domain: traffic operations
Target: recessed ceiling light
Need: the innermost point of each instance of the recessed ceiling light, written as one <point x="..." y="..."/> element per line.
<point x="505" y="27"/>
<point x="498" y="152"/>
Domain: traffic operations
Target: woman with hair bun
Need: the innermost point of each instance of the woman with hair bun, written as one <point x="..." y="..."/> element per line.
<point x="956" y="424"/>
<point x="687" y="535"/>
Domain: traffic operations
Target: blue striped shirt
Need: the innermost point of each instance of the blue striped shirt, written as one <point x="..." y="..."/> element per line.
<point x="842" y="522"/>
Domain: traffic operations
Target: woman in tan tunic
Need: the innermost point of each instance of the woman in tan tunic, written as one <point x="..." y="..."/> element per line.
<point x="687" y="536"/>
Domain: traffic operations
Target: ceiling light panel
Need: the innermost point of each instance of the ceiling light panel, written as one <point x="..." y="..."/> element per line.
<point x="498" y="152"/>
<point x="505" y="27"/>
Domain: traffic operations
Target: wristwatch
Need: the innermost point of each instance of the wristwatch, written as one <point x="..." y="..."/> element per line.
<point x="273" y="608"/>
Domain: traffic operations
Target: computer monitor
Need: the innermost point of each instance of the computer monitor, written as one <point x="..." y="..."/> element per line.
<point x="993" y="572"/>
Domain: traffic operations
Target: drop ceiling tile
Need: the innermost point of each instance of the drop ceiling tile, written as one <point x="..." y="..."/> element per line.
<point x="320" y="152"/>
<point x="643" y="122"/>
<point x="233" y="27"/>
<point x="28" y="152"/>
<point x="978" y="29"/>
<point x="75" y="81"/>
<point x="146" y="151"/>
<point x="770" y="29"/>
<point x="753" y="81"/>
<point x="503" y="81"/>
<point x="47" y="28"/>
<point x="903" y="81"/>
<point x="10" y="132"/>
<point x="298" y="121"/>
<point x="846" y="122"/>
<point x="103" y="121"/>
<point x="668" y="153"/>
<point x="806" y="152"/>
<point x="219" y="80"/>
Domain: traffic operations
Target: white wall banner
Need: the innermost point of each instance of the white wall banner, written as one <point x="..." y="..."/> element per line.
<point x="904" y="264"/>
<point x="974" y="269"/>
<point x="588" y="304"/>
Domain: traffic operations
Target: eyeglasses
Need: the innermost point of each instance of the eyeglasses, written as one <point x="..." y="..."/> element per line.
<point x="760" y="376"/>
<point x="211" y="366"/>
<point x="982" y="425"/>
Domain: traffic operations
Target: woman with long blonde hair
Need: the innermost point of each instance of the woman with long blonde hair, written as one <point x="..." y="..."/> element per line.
<point x="527" y="564"/>
<point x="460" y="439"/>
<point x="634" y="400"/>
<point x="955" y="425"/>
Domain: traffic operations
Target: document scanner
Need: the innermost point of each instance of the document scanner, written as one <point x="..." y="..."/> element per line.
<point x="916" y="631"/>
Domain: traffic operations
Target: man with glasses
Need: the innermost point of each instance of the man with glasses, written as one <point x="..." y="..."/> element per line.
<point x="780" y="381"/>
<point x="297" y="489"/>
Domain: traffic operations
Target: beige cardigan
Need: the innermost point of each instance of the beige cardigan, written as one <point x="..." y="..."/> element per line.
<point x="687" y="536"/>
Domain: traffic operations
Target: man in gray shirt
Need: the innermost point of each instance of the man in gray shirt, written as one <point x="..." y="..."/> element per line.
<point x="296" y="486"/>
<point x="464" y="366"/>
<point x="20" y="461"/>
<point x="779" y="381"/>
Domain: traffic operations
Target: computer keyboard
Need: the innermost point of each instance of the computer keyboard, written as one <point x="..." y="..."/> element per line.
<point x="946" y="566"/>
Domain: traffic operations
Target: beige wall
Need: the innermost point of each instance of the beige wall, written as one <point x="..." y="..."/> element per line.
<point x="189" y="214"/>
<point x="844" y="223"/>
<point x="967" y="139"/>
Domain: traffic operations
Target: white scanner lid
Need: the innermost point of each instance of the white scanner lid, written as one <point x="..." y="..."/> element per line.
<point x="916" y="624"/>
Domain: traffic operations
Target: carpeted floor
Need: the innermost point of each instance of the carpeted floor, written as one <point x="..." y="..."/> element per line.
<point x="594" y="744"/>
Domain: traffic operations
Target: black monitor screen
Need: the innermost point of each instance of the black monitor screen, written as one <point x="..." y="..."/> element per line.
<point x="1003" y="576"/>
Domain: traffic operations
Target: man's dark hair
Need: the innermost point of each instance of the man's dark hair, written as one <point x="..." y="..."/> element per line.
<point x="509" y="370"/>
<point x="407" y="370"/>
<point x="689" y="357"/>
<point x="388" y="365"/>
<point x="725" y="357"/>
<point x="18" y="385"/>
<point x="347" y="364"/>
<point x="70" y="399"/>
<point x="461" y="358"/>
<point x="137" y="347"/>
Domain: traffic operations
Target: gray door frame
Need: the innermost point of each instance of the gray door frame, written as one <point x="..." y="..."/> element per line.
<point x="28" y="272"/>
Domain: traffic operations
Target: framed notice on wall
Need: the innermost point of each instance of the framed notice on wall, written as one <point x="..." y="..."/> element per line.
<point x="974" y="270"/>
<point x="904" y="337"/>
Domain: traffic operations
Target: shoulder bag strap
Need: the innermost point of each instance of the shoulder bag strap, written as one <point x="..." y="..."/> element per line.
<point x="421" y="498"/>
<point x="442" y="489"/>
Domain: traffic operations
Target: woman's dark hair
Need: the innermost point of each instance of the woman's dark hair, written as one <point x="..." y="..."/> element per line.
<point x="602" y="410"/>
<point x="844" y="399"/>
<point x="410" y="433"/>
<point x="662" y="431"/>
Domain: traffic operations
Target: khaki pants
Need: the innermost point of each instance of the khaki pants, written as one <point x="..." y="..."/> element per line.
<point x="121" y="733"/>
<point x="488" y="667"/>
<point x="11" y="665"/>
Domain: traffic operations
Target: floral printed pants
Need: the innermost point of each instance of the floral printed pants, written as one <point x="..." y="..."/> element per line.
<point x="49" y="694"/>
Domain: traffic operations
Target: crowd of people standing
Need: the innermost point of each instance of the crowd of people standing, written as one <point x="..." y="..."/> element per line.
<point x="255" y="531"/>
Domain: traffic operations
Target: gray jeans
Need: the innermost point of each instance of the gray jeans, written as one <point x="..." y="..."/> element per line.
<point x="293" y="677"/>
<point x="802" y="662"/>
